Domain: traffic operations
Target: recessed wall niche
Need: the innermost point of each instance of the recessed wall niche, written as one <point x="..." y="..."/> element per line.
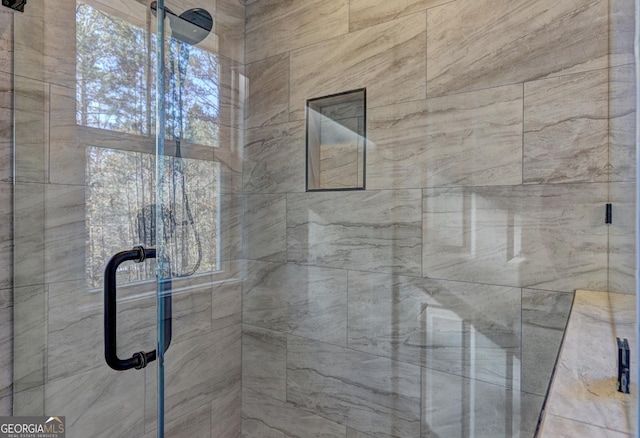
<point x="336" y="141"/>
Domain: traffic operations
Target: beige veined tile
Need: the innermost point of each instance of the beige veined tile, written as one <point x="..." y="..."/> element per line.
<point x="432" y="323"/>
<point x="194" y="423"/>
<point x="622" y="123"/>
<point x="365" y="392"/>
<point x="264" y="361"/>
<point x="6" y="408"/>
<point x="621" y="31"/>
<point x="549" y="237"/>
<point x="112" y="402"/>
<point x="229" y="28"/>
<point x="6" y="41"/>
<point x="265" y="416"/>
<point x="6" y="239"/>
<point x="388" y="60"/>
<point x="365" y="13"/>
<point x="268" y="100"/>
<point x="544" y="319"/>
<point x="60" y="42"/>
<point x="565" y="129"/>
<point x="189" y="384"/>
<point x="264" y="228"/>
<point x="65" y="233"/>
<point x="278" y="26"/>
<point x="306" y="301"/>
<point x="6" y="343"/>
<point x="378" y="231"/>
<point x="274" y="159"/>
<point x="479" y="44"/>
<point x="467" y="139"/>
<point x="458" y="406"/>
<point x="621" y="238"/>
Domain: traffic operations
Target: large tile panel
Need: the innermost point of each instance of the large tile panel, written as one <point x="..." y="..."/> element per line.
<point x="6" y="408"/>
<point x="551" y="236"/>
<point x="265" y="227"/>
<point x="544" y="319"/>
<point x="196" y="423"/>
<point x="59" y="42"/>
<point x="433" y="323"/>
<point x="228" y="234"/>
<point x="264" y="361"/>
<point x="457" y="406"/>
<point x="67" y="156"/>
<point x="228" y="155"/>
<point x="6" y="236"/>
<point x="198" y="370"/>
<point x="111" y="403"/>
<point x="278" y="26"/>
<point x="76" y="320"/>
<point x="621" y="31"/>
<point x="365" y="13"/>
<point x="226" y="413"/>
<point x="28" y="233"/>
<point x="6" y="343"/>
<point x="622" y="245"/>
<point x="565" y="129"/>
<point x="29" y="337"/>
<point x="622" y="123"/>
<point x="6" y="41"/>
<point x="305" y="301"/>
<point x="29" y="402"/>
<point x="226" y="304"/>
<point x="28" y="42"/>
<point x="263" y="416"/>
<point x="268" y="100"/>
<point x="275" y="159"/>
<point x="367" y="231"/>
<point x="365" y="392"/>
<point x="468" y="139"/>
<point x="387" y="59"/>
<point x="6" y="122"/>
<point x="65" y="233"/>
<point x="229" y="16"/>
<point x="31" y="129"/>
<point x="475" y="44"/>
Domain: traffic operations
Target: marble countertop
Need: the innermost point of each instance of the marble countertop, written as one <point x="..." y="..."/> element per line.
<point x="583" y="399"/>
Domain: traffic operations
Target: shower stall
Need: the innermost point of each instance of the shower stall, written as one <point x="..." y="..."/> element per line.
<point x="336" y="218"/>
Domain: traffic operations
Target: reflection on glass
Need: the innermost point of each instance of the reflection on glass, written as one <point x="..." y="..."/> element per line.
<point x="121" y="192"/>
<point x="116" y="90"/>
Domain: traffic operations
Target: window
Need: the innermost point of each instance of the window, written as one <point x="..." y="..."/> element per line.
<point x="115" y="111"/>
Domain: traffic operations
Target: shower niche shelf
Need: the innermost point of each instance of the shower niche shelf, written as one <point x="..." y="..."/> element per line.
<point x="336" y="141"/>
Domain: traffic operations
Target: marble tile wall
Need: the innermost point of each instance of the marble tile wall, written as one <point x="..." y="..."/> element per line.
<point x="57" y="318"/>
<point x="6" y="227"/>
<point x="327" y="229"/>
<point x="509" y="125"/>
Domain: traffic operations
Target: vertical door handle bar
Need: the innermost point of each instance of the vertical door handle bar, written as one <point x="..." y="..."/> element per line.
<point x="141" y="359"/>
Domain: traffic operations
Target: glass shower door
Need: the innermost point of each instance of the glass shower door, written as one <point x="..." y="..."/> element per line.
<point x="85" y="288"/>
<point x="124" y="147"/>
